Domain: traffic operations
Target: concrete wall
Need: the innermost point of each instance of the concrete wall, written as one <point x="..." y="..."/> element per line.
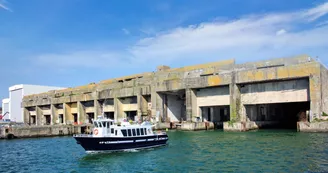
<point x="324" y="84"/>
<point x="215" y="96"/>
<point x="275" y="92"/>
<point x="175" y="108"/>
<point x="128" y="104"/>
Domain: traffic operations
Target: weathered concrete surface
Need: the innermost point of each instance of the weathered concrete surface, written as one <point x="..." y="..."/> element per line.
<point x="192" y="126"/>
<point x="276" y="92"/>
<point x="324" y="86"/>
<point x="201" y="86"/>
<point x="312" y="127"/>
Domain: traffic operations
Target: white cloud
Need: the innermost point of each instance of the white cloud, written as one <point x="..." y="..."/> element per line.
<point x="281" y="32"/>
<point x="252" y="37"/>
<point x="126" y="31"/>
<point x="4" y="7"/>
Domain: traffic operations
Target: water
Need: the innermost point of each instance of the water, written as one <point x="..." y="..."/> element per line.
<point x="202" y="151"/>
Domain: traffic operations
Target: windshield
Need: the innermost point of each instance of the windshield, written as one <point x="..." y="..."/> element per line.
<point x="95" y="124"/>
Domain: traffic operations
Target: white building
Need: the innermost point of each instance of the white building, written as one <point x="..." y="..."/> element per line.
<point x="16" y="94"/>
<point x="5" y="107"/>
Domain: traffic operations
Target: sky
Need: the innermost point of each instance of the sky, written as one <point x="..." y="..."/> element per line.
<point x="69" y="43"/>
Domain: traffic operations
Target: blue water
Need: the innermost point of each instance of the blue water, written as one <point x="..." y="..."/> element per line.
<point x="202" y="151"/>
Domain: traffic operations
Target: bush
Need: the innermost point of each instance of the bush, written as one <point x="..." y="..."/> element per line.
<point x="324" y="114"/>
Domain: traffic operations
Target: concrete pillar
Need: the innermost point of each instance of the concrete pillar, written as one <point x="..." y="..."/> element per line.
<point x="237" y="109"/>
<point x="315" y="96"/>
<point x="118" y="112"/>
<point x="26" y="114"/>
<point x="98" y="108"/>
<point x="142" y="106"/>
<point x="139" y="105"/>
<point x="39" y="116"/>
<point x="68" y="116"/>
<point x="160" y="107"/>
<point x="81" y="115"/>
<point x="191" y="104"/>
<point x="54" y="115"/>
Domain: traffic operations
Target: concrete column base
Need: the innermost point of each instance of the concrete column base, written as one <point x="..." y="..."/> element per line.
<point x="192" y="126"/>
<point x="162" y="126"/>
<point x="239" y="126"/>
<point x="312" y="127"/>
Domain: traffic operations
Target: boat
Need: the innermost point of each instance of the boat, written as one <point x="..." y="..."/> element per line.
<point x="108" y="136"/>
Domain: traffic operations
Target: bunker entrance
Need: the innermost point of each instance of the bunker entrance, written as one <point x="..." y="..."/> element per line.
<point x="61" y="118"/>
<point x="130" y="115"/>
<point x="109" y="115"/>
<point x="75" y="118"/>
<point x="47" y="119"/>
<point x="90" y="117"/>
<point x="215" y="114"/>
<point x="174" y="106"/>
<point x="33" y="120"/>
<point x="278" y="115"/>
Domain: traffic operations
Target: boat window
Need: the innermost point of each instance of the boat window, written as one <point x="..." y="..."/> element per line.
<point x="145" y="131"/>
<point x="134" y="132"/>
<point x="107" y="124"/>
<point x="99" y="124"/>
<point x="138" y="132"/>
<point x="123" y="132"/>
<point x="104" y="124"/>
<point x="115" y="132"/>
<point x="142" y="132"/>
<point x="112" y="131"/>
<point x="129" y="132"/>
<point x="95" y="124"/>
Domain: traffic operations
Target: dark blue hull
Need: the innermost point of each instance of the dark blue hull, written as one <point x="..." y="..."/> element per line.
<point x="93" y="144"/>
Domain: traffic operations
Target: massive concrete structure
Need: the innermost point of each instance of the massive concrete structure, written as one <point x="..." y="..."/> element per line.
<point x="232" y="96"/>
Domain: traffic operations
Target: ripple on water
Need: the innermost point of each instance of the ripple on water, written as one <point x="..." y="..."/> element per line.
<point x="203" y="151"/>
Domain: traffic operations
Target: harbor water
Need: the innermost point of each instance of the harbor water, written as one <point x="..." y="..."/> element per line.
<point x="200" y="151"/>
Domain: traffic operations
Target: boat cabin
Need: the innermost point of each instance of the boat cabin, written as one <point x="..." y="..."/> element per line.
<point x="104" y="127"/>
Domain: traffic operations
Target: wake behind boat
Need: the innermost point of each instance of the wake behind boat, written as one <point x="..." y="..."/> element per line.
<point x="108" y="136"/>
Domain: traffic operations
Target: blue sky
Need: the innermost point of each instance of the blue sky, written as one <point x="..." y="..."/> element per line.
<point x="75" y="42"/>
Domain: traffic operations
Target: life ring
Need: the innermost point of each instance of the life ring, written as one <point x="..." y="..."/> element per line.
<point x="95" y="131"/>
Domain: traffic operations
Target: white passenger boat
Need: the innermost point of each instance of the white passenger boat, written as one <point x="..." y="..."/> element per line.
<point x="108" y="136"/>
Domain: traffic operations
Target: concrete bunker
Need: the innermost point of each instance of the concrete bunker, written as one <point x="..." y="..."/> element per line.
<point x="128" y="107"/>
<point x="107" y="106"/>
<point x="32" y="115"/>
<point x="131" y="115"/>
<point x="86" y="111"/>
<point x="174" y="105"/>
<point x="278" y="115"/>
<point x="213" y="104"/>
<point x="45" y="113"/>
<point x="277" y="104"/>
<point x="71" y="113"/>
<point x="215" y="114"/>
